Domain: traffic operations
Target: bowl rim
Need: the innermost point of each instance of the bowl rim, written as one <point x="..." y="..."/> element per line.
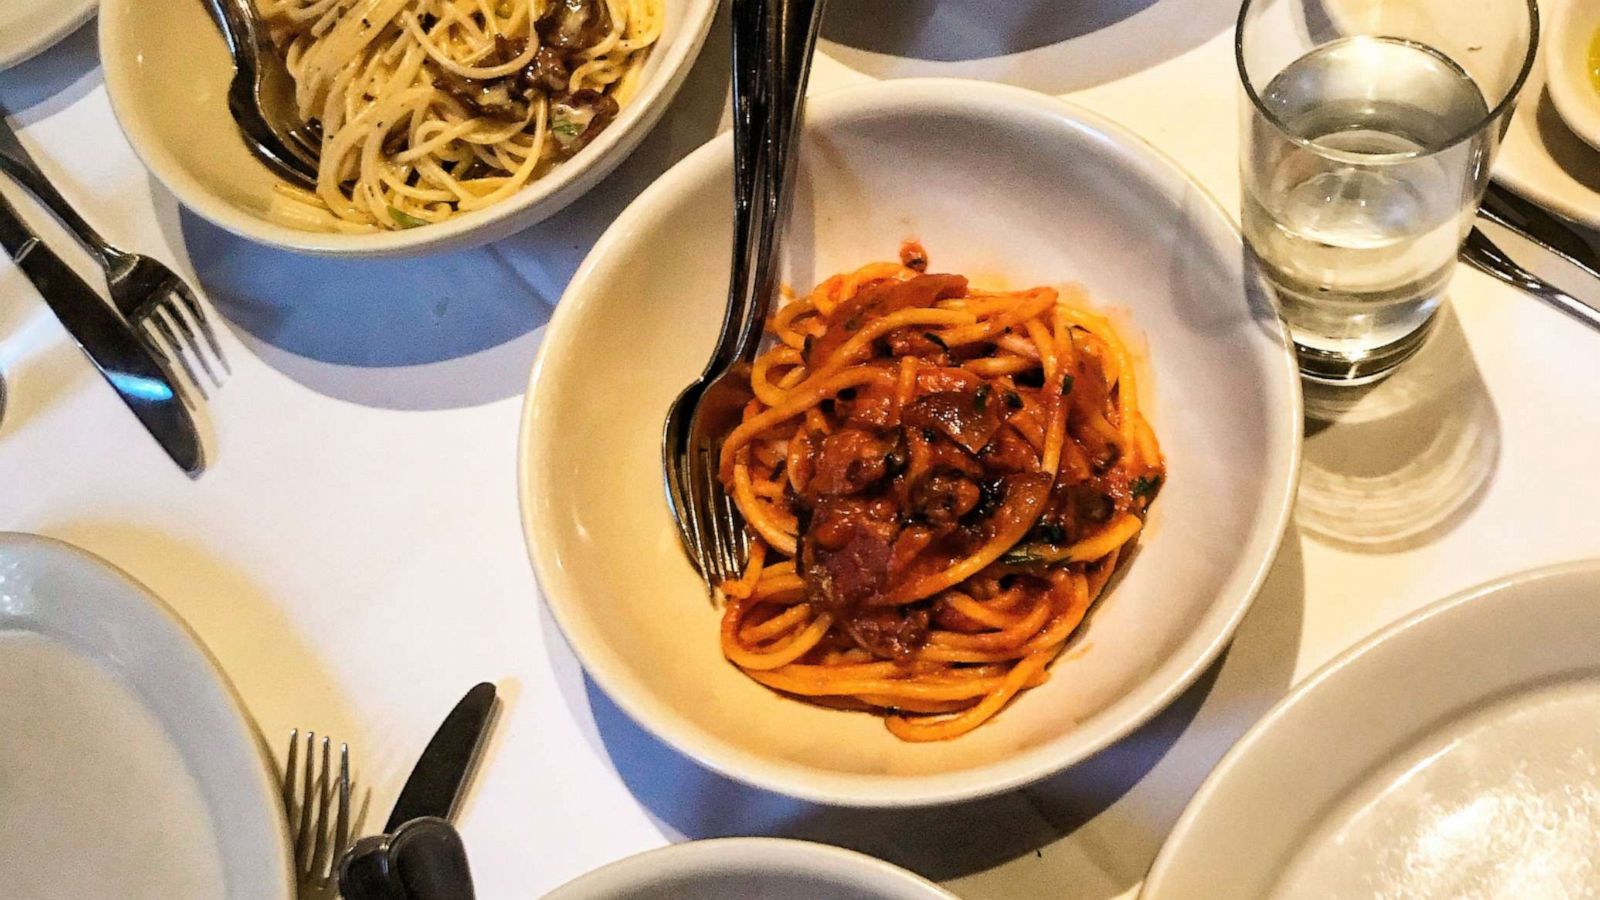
<point x="1006" y="773"/>
<point x="787" y="854"/>
<point x="1373" y="645"/>
<point x="535" y="202"/>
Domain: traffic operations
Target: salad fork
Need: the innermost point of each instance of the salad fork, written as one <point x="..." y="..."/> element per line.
<point x="772" y="49"/>
<point x="320" y="797"/>
<point x="150" y="296"/>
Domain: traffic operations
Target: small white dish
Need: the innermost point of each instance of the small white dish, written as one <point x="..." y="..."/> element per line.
<point x="750" y="869"/>
<point x="131" y="769"/>
<point x="28" y="27"/>
<point x="1012" y="189"/>
<point x="1543" y="157"/>
<point x="167" y="74"/>
<point x="1455" y="753"/>
<point x="1567" y="69"/>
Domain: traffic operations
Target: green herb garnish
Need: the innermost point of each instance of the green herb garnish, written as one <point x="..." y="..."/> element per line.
<point x="980" y="398"/>
<point x="1023" y="555"/>
<point x="405" y="219"/>
<point x="566" y="128"/>
<point x="1066" y="384"/>
<point x="1145" y="486"/>
<point x="1013" y="399"/>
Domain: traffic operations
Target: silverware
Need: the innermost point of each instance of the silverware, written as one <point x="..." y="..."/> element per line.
<point x="772" y="50"/>
<point x="261" y="96"/>
<point x="318" y="808"/>
<point x="130" y="367"/>
<point x="1484" y="255"/>
<point x="1555" y="242"/>
<point x="420" y="856"/>
<point x="148" y="294"/>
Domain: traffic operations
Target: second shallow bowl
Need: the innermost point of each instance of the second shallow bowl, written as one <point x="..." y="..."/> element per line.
<point x="167" y="72"/>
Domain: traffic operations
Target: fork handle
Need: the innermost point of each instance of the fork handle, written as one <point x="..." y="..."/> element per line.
<point x="792" y="37"/>
<point x="750" y="140"/>
<point x="19" y="164"/>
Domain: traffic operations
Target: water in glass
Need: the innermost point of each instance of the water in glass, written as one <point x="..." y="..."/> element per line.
<point x="1358" y="198"/>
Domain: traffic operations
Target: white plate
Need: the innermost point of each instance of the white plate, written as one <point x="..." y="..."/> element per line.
<point x="1454" y="754"/>
<point x="176" y="768"/>
<point x="1008" y="187"/>
<point x="27" y="27"/>
<point x="750" y="869"/>
<point x="1541" y="158"/>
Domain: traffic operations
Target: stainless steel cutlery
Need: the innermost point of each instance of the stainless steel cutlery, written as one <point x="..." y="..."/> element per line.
<point x="772" y="48"/>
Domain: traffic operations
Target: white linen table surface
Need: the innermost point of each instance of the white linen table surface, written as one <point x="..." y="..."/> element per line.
<point x="354" y="556"/>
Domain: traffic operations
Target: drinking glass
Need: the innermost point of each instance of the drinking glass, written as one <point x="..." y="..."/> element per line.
<point x="1369" y="130"/>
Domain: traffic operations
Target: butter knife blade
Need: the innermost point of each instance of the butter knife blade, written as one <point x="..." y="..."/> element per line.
<point x="110" y="343"/>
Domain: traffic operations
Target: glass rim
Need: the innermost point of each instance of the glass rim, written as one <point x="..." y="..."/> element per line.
<point x="1534" y="27"/>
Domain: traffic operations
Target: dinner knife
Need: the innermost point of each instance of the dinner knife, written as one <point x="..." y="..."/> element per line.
<point x="110" y="343"/>
<point x="420" y="856"/>
<point x="436" y="781"/>
<point x="1556" y="249"/>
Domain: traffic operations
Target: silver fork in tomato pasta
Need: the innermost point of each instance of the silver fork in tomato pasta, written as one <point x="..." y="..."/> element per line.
<point x="772" y="47"/>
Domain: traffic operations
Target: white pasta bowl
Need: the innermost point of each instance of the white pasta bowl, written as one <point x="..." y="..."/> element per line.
<point x="167" y="72"/>
<point x="1012" y="189"/>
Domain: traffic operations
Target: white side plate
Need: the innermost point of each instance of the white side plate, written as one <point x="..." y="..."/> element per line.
<point x="97" y="629"/>
<point x="1454" y="754"/>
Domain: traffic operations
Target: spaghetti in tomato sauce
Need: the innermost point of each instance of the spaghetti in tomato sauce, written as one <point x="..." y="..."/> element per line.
<point x="941" y="480"/>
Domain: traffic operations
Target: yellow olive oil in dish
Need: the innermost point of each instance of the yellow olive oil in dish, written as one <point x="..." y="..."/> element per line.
<point x="1594" y="61"/>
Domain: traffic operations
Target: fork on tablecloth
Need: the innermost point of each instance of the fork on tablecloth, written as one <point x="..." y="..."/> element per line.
<point x="151" y="297"/>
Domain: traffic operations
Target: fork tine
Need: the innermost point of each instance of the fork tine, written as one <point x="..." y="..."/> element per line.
<point x="189" y="304"/>
<point x="288" y="776"/>
<point x="727" y="532"/>
<point x="341" y="827"/>
<point x="191" y="341"/>
<point x="302" y="838"/>
<point x="183" y="337"/>
<point x="680" y="489"/>
<point x="695" y="525"/>
<point x="711" y="520"/>
<point x="317" y="865"/>
<point x="159" y="333"/>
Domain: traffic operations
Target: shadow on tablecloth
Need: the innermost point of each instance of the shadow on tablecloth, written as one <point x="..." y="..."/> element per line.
<point x="1398" y="465"/>
<point x="55" y="79"/>
<point x="442" y="331"/>
<point x="1095" y="827"/>
<point x="1067" y="46"/>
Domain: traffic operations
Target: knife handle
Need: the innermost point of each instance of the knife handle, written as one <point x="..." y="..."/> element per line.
<point x="423" y="860"/>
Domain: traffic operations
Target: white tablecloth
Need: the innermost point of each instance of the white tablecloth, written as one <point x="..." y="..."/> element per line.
<point x="354" y="557"/>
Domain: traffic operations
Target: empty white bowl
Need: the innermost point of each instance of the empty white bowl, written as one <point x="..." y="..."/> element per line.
<point x="750" y="869"/>
<point x="1573" y="26"/>
<point x="167" y="74"/>
<point x="1011" y="188"/>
